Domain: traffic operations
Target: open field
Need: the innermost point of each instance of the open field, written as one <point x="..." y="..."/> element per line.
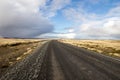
<point x="55" y="60"/>
<point x="8" y="42"/>
<point x="107" y="47"/>
<point x="14" y="50"/>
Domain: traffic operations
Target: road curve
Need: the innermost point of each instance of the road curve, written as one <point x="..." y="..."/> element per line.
<point x="60" y="61"/>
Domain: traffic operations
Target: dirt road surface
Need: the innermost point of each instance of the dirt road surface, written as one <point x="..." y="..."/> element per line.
<point x="60" y="61"/>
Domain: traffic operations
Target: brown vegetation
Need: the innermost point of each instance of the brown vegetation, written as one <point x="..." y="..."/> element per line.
<point x="107" y="47"/>
<point x="14" y="50"/>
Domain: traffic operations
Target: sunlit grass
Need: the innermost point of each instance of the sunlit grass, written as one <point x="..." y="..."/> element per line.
<point x="107" y="47"/>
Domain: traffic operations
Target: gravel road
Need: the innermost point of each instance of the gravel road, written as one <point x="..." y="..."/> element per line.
<point x="60" y="61"/>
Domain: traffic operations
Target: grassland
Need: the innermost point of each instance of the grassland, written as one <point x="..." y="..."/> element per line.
<point x="10" y="42"/>
<point x="14" y="50"/>
<point x="106" y="47"/>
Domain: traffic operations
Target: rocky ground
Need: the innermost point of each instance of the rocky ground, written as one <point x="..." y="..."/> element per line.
<point x="14" y="50"/>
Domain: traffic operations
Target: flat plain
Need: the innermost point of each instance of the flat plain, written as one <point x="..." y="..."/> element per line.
<point x="62" y="60"/>
<point x="14" y="50"/>
<point x="106" y="47"/>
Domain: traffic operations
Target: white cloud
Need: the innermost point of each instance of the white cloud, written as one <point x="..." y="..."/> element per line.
<point x="98" y="29"/>
<point x="114" y="12"/>
<point x="28" y="18"/>
<point x="50" y="9"/>
<point x="22" y="18"/>
<point x="92" y="26"/>
<point x="66" y="35"/>
<point x="75" y="15"/>
<point x="78" y="15"/>
<point x="112" y="26"/>
<point x="42" y="3"/>
<point x="70" y="30"/>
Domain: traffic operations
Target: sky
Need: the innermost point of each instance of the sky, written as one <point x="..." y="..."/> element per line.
<point x="72" y="19"/>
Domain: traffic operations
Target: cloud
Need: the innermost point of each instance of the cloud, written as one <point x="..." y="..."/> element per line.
<point x="67" y="35"/>
<point x="74" y="14"/>
<point x="93" y="26"/>
<point x="52" y="6"/>
<point x="22" y="18"/>
<point x="114" y="12"/>
<point x="78" y="15"/>
<point x="104" y="29"/>
<point x="28" y="18"/>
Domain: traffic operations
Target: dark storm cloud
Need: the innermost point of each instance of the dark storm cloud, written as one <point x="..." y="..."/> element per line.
<point x="22" y="19"/>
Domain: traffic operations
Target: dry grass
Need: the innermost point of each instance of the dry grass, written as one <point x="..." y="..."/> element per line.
<point x="14" y="50"/>
<point x="10" y="42"/>
<point x="107" y="47"/>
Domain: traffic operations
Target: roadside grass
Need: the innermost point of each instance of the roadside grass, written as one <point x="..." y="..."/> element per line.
<point x="14" y="50"/>
<point x="106" y="47"/>
<point x="15" y="42"/>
